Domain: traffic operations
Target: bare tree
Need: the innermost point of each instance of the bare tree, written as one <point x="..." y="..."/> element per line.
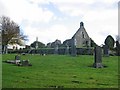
<point x="10" y="30"/>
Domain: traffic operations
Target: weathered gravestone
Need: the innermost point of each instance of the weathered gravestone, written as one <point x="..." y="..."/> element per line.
<point x="17" y="59"/>
<point x="67" y="50"/>
<point x="56" y="49"/>
<point x="73" y="47"/>
<point x="98" y="57"/>
<point x="105" y="50"/>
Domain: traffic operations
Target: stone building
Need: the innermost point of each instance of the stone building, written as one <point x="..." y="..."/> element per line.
<point x="81" y="38"/>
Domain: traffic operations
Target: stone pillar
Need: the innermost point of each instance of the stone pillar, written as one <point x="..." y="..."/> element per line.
<point x="98" y="57"/>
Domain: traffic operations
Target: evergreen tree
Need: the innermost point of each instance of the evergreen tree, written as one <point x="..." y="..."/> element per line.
<point x="109" y="41"/>
<point x="40" y="44"/>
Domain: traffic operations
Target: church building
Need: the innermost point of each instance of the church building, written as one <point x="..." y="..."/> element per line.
<point x="81" y="38"/>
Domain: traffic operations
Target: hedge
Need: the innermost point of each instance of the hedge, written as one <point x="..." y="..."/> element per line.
<point x="61" y="51"/>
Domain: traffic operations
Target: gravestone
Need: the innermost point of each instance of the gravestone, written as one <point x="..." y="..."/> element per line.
<point x="17" y="59"/>
<point x="56" y="49"/>
<point x="98" y="57"/>
<point x="73" y="47"/>
<point x="67" y="49"/>
<point x="105" y="50"/>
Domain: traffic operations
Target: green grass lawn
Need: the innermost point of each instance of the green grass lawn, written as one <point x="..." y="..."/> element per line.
<point x="61" y="71"/>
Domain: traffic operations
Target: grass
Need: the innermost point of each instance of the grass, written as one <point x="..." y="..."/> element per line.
<point x="52" y="71"/>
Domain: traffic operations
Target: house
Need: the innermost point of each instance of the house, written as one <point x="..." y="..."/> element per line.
<point x="16" y="43"/>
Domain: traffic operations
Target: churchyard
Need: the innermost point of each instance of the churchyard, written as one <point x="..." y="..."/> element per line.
<point x="78" y="62"/>
<point x="60" y="71"/>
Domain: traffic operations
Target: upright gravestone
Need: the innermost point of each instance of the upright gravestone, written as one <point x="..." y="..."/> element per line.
<point x="105" y="50"/>
<point x="67" y="50"/>
<point x="56" y="49"/>
<point x="17" y="59"/>
<point x="98" y="57"/>
<point x="73" y="47"/>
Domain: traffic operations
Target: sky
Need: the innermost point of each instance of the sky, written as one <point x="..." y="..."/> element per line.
<point x="60" y="19"/>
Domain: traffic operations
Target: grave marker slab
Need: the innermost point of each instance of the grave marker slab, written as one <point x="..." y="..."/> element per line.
<point x="98" y="57"/>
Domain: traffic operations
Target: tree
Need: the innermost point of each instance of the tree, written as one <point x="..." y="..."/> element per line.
<point x="9" y="31"/>
<point x="109" y="41"/>
<point x="40" y="44"/>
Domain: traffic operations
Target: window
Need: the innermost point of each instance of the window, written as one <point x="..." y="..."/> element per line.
<point x="83" y="36"/>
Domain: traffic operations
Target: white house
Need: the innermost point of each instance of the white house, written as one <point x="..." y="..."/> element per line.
<point x="15" y="45"/>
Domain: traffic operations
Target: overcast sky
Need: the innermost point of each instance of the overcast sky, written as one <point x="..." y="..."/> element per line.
<point x="60" y="19"/>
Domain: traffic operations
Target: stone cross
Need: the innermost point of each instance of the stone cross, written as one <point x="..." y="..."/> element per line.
<point x="36" y="46"/>
<point x="73" y="47"/>
<point x="98" y="57"/>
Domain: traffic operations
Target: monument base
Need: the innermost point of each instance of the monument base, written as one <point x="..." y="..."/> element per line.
<point x="97" y="65"/>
